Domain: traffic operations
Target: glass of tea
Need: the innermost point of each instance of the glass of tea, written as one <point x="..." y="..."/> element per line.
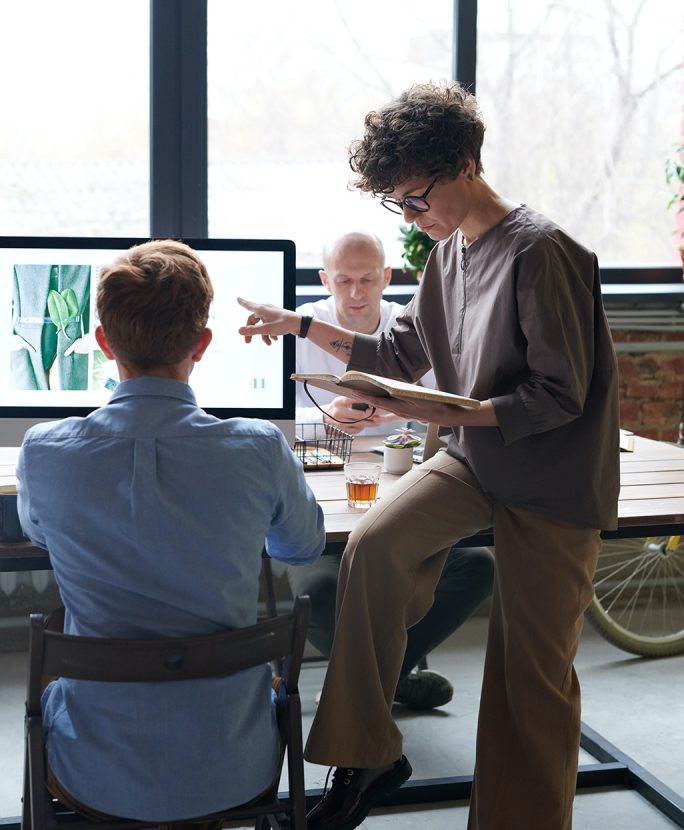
<point x="362" y="483"/>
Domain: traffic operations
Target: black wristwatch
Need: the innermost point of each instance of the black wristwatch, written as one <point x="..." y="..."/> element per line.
<point x="304" y="326"/>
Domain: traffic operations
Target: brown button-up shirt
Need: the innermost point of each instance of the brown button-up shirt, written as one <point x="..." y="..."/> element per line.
<point x="518" y="318"/>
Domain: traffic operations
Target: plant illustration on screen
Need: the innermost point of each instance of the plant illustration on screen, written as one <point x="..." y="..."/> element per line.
<point x="63" y="307"/>
<point x="50" y="322"/>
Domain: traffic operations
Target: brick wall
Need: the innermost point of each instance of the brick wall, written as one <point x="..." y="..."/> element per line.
<point x="650" y="384"/>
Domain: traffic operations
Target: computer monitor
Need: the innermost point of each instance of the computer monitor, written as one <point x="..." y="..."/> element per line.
<point x="51" y="366"/>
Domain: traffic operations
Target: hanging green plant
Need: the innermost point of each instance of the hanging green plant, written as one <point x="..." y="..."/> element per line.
<point x="417" y="247"/>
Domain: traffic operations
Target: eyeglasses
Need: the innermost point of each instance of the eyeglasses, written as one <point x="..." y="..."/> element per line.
<point x="419" y="204"/>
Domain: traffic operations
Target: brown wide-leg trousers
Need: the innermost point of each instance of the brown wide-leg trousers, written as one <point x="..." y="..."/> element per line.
<point x="529" y="723"/>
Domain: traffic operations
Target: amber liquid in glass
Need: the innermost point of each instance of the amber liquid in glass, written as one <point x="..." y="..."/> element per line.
<point x="361" y="493"/>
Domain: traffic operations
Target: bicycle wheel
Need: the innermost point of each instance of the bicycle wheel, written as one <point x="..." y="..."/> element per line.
<point x="638" y="600"/>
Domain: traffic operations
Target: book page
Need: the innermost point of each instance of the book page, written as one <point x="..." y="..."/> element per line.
<point x="377" y="385"/>
<point x="358" y="393"/>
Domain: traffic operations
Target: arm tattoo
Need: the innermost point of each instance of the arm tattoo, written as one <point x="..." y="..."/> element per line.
<point x="344" y="346"/>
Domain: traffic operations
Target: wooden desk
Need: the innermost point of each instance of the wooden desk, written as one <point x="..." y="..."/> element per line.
<point x="651" y="498"/>
<point x="651" y="493"/>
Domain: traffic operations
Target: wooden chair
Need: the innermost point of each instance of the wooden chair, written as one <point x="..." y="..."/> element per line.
<point x="141" y="661"/>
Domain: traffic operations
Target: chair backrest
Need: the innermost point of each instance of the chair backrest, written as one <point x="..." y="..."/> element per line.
<point x="278" y="639"/>
<point x="184" y="658"/>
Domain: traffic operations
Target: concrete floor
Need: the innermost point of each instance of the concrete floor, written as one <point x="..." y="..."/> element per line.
<point x="634" y="703"/>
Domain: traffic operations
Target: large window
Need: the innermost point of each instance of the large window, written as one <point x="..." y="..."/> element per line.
<point x="583" y="102"/>
<point x="75" y="101"/>
<point x="289" y="86"/>
<point x="582" y="99"/>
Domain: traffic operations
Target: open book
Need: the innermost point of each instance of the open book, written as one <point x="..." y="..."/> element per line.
<point x="354" y="384"/>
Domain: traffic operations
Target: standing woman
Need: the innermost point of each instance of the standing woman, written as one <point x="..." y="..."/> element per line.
<point x="509" y="311"/>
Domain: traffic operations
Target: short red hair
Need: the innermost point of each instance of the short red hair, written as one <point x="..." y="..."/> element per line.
<point x="153" y="303"/>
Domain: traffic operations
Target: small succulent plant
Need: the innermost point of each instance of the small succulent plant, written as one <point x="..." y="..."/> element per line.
<point x="403" y="438"/>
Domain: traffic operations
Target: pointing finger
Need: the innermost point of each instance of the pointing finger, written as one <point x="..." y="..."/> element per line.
<point x="250" y="306"/>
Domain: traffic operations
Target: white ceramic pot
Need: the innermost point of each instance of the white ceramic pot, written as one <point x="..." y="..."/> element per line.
<point x="398" y="460"/>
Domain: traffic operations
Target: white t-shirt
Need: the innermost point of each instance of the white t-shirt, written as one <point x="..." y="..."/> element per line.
<point x="312" y="359"/>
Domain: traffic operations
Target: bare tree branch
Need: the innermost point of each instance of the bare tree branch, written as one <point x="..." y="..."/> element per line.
<point x="384" y="85"/>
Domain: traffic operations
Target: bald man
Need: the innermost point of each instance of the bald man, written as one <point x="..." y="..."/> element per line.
<point x="355" y="274"/>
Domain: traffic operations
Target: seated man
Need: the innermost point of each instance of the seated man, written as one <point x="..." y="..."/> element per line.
<point x="356" y="276"/>
<point x="155" y="515"/>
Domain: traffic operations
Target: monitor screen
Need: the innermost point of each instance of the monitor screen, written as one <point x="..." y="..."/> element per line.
<point x="51" y="365"/>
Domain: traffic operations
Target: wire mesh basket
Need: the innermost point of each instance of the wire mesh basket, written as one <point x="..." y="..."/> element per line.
<point x="322" y="447"/>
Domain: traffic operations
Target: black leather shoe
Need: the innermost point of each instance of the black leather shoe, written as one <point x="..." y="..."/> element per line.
<point x="424" y="689"/>
<point x="353" y="794"/>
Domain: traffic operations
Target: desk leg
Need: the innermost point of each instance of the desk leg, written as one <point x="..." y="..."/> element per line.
<point x="664" y="799"/>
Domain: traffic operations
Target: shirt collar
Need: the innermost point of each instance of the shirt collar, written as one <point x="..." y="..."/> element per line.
<point x="157" y="387"/>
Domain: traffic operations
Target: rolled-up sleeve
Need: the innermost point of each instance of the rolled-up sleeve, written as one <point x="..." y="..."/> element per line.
<point x="297" y="532"/>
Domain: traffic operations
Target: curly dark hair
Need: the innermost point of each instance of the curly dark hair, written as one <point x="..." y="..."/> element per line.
<point x="430" y="131"/>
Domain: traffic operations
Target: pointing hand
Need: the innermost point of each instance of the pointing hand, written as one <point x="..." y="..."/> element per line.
<point x="269" y="321"/>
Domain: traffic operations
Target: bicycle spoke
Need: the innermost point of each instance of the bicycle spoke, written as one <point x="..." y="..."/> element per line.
<point x="676" y="564"/>
<point x="619" y="551"/>
<point x="646" y="573"/>
<point x="639" y="588"/>
<point x="622" y="586"/>
<point x="674" y="571"/>
<point x="649" y="604"/>
<point x="616" y="569"/>
<point x="621" y="564"/>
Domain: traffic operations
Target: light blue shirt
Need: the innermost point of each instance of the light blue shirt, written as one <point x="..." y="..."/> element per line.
<point x="155" y="515"/>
